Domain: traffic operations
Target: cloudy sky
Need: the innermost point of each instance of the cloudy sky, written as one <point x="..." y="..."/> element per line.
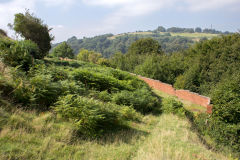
<point x="86" y="18"/>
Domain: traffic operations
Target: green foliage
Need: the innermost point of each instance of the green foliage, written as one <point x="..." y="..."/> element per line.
<point x="226" y="100"/>
<point x="104" y="62"/>
<point x="222" y="133"/>
<point x="92" y="117"/>
<point x="18" y="53"/>
<point x="161" y="67"/>
<point x="32" y="28"/>
<point x="63" y="50"/>
<point x="145" y="46"/>
<point x="141" y="99"/>
<point x="99" y="81"/>
<point x="210" y="61"/>
<point x="170" y="105"/>
<point x="108" y="44"/>
<point x="88" y="56"/>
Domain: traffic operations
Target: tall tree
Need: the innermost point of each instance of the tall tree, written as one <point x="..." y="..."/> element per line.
<point x="32" y="28"/>
<point x="63" y="50"/>
<point x="145" y="46"/>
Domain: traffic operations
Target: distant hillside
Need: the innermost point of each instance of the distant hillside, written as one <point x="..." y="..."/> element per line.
<point x="171" y="39"/>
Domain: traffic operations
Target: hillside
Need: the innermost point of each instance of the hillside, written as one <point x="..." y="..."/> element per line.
<point x="76" y="110"/>
<point x="33" y="133"/>
<point x="171" y="40"/>
<point x="60" y="106"/>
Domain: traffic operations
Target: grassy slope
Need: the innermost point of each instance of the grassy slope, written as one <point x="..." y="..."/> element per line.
<point x="31" y="135"/>
<point x="190" y="35"/>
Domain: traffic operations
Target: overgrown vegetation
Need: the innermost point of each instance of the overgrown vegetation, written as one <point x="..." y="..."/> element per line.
<point x="110" y="44"/>
<point x="210" y="67"/>
<point x="97" y="101"/>
<point x="70" y="89"/>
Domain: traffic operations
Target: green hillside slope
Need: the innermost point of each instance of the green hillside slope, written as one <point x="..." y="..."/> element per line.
<point x="43" y="135"/>
<point x="172" y="40"/>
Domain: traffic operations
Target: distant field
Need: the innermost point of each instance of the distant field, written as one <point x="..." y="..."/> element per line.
<point x="190" y="35"/>
<point x="195" y="35"/>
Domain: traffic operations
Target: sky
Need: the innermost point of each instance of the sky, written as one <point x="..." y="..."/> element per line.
<point x="87" y="18"/>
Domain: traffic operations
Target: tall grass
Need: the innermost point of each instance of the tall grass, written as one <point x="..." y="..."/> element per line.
<point x="32" y="135"/>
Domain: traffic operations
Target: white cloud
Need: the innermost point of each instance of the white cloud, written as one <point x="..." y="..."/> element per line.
<point x="200" y="5"/>
<point x="126" y="9"/>
<point x="63" y="3"/>
<point x="9" y="8"/>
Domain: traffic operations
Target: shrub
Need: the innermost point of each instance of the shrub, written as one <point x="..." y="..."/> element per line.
<point x="92" y="117"/>
<point x="170" y="105"/>
<point x="15" y="53"/>
<point x="44" y="90"/>
<point x="226" y="100"/>
<point x="72" y="87"/>
<point x="104" y="96"/>
<point x="222" y="133"/>
<point x="100" y="81"/>
<point x="142" y="99"/>
<point x="63" y="50"/>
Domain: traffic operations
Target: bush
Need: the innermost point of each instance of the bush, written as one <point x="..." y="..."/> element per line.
<point x="226" y="100"/>
<point x="222" y="133"/>
<point x="63" y="50"/>
<point x="15" y="53"/>
<point x="170" y="105"/>
<point x="100" y="81"/>
<point x="142" y="99"/>
<point x="92" y="117"/>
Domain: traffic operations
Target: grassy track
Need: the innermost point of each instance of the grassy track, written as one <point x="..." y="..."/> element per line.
<point x="29" y="135"/>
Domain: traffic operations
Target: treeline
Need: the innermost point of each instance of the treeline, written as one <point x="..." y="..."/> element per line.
<point x="189" y="30"/>
<point x="107" y="46"/>
<point x="210" y="67"/>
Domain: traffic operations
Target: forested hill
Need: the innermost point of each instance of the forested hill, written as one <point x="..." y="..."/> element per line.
<point x="172" y="39"/>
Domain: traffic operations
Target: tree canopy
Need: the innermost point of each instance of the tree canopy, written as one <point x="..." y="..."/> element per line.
<point x="145" y="46"/>
<point x="63" y="50"/>
<point x="88" y="56"/>
<point x="32" y="28"/>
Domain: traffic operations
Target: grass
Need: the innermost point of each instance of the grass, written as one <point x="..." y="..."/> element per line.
<point x="172" y="139"/>
<point x="32" y="135"/>
<point x="195" y="35"/>
<point x="187" y="104"/>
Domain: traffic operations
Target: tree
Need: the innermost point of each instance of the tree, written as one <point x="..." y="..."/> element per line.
<point x="161" y="29"/>
<point x="63" y="50"/>
<point x="32" y="28"/>
<point x="88" y="56"/>
<point x="145" y="46"/>
<point x="198" y="30"/>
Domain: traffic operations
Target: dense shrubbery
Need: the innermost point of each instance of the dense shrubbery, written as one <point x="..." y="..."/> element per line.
<point x="221" y="132"/>
<point x="63" y="50"/>
<point x="99" y="81"/>
<point x="18" y="53"/>
<point x="211" y="68"/>
<point x="141" y="99"/>
<point x="83" y="95"/>
<point x="92" y="116"/>
<point x="170" y="105"/>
